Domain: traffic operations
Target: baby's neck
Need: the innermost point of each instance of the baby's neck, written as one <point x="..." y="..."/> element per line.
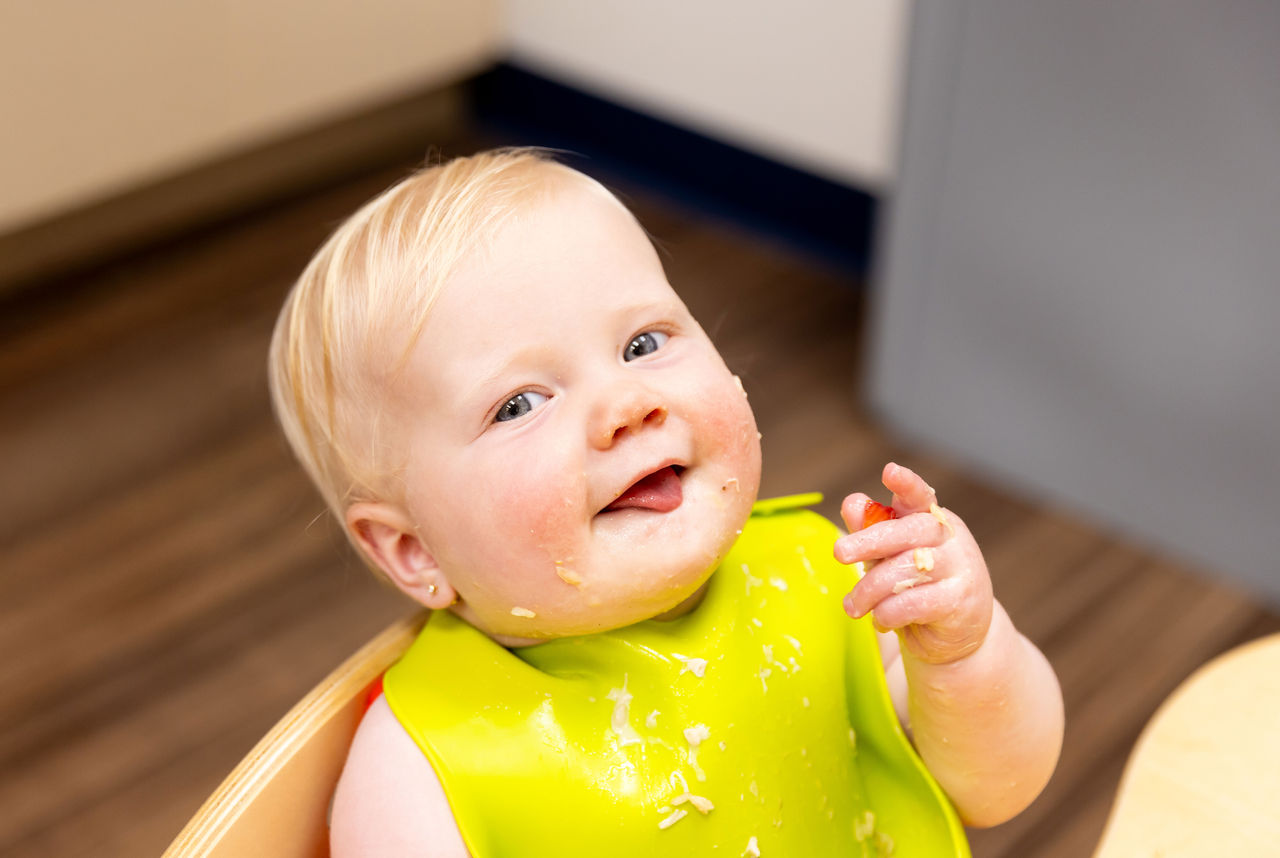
<point x="515" y="643"/>
<point x="686" y="606"/>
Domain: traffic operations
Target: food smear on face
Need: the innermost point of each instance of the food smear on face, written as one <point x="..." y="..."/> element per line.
<point x="658" y="492"/>
<point x="523" y="612"/>
<point x="567" y="575"/>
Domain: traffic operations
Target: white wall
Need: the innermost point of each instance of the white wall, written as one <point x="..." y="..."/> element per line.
<point x="100" y="96"/>
<point x="813" y="83"/>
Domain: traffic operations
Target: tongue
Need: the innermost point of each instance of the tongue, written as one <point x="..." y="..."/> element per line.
<point x="660" y="492"/>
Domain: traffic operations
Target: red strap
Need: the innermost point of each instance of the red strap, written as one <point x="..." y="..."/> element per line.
<point x="375" y="691"/>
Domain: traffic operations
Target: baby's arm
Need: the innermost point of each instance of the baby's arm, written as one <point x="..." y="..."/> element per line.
<point x="985" y="709"/>
<point x="389" y="802"/>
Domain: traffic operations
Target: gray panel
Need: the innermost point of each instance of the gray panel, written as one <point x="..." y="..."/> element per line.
<point x="1082" y="265"/>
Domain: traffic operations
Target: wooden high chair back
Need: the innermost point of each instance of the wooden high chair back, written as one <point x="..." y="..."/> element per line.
<point x="276" y="802"/>
<point x="1204" y="777"/>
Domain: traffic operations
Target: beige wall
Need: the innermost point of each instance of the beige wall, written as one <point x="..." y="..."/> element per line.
<point x="98" y="97"/>
<point x="814" y="83"/>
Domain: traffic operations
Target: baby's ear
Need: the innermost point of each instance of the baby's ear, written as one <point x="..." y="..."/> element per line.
<point x="389" y="538"/>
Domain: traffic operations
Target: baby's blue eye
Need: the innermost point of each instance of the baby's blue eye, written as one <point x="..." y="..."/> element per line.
<point x="519" y="405"/>
<point x="644" y="344"/>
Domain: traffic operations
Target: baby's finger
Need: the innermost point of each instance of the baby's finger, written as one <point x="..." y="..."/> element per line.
<point x="853" y="511"/>
<point x="883" y="580"/>
<point x="891" y="537"/>
<point x="923" y="605"/>
<point x="910" y="492"/>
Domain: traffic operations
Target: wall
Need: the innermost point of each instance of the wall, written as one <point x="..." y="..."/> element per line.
<point x="811" y="83"/>
<point x="102" y="96"/>
<point x="1081" y="277"/>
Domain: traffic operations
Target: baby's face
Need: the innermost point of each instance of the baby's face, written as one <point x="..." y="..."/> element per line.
<point x="580" y="458"/>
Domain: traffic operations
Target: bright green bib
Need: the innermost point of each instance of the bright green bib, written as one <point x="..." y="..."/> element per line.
<point x="758" y="721"/>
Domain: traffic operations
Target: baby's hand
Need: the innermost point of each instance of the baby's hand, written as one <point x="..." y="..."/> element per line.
<point x="925" y="579"/>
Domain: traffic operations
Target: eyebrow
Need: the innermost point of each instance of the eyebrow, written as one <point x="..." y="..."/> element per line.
<point x="525" y="355"/>
<point x="666" y="306"/>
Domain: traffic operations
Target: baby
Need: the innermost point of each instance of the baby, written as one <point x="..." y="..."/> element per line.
<point x="490" y="380"/>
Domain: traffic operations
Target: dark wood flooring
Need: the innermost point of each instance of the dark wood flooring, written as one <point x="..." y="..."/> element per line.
<point x="170" y="584"/>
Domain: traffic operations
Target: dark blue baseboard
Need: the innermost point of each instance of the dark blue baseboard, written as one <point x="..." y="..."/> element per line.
<point x="829" y="220"/>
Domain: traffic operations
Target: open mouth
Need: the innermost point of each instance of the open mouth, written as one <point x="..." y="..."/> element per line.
<point x="659" y="491"/>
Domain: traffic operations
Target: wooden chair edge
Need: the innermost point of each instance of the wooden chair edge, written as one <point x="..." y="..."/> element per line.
<point x="291" y="733"/>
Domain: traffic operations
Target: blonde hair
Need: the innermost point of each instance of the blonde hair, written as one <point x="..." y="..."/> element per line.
<point x="358" y="308"/>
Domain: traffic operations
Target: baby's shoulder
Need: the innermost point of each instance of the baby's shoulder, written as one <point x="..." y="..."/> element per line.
<point x="389" y="801"/>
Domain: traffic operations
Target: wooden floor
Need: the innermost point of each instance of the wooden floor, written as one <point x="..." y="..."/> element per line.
<point x="170" y="583"/>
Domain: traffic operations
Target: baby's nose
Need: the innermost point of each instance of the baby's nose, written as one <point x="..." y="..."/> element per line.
<point x="628" y="411"/>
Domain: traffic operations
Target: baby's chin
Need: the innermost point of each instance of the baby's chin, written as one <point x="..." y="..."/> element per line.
<point x="601" y="606"/>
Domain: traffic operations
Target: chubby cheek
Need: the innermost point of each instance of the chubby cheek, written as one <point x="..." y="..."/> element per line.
<point x="531" y="512"/>
<point x="727" y="431"/>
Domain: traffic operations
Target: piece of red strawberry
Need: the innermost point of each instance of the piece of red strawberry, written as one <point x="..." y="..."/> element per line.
<point x="874" y="513"/>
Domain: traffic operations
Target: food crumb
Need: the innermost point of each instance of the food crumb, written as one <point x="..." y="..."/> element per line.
<point x="620" y="720"/>
<point x="864" y="827"/>
<point x="937" y="512"/>
<point x="676" y="816"/>
<point x="522" y="612"/>
<point x="695" y="736"/>
<point x="701" y="803"/>
<point x="568" y="575"/>
<point x="696" y="666"/>
<point x="924" y="559"/>
<point x="752" y="850"/>
<point x="902" y="586"/>
<point x="652" y="720"/>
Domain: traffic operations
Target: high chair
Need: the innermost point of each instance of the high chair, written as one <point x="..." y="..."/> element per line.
<point x="276" y="802"/>
<point x="1204" y="777"/>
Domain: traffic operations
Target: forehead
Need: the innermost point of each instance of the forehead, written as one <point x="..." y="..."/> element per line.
<point x="574" y="247"/>
<point x="568" y="260"/>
